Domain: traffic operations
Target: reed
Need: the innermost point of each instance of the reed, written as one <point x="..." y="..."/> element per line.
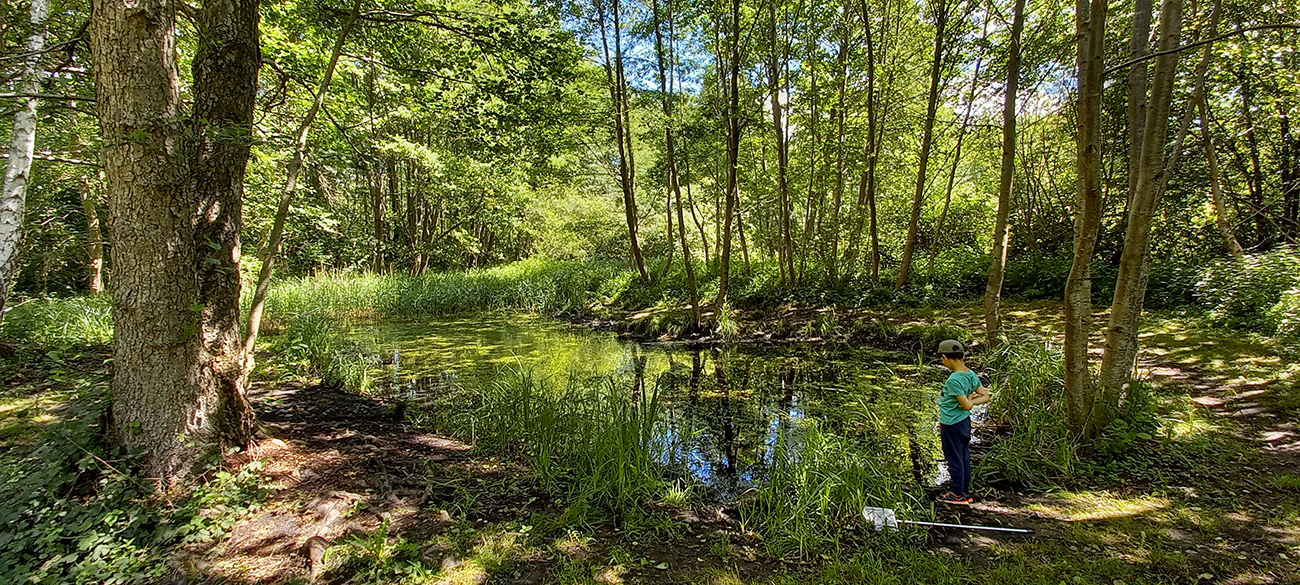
<point x="811" y="503"/>
<point x="594" y="440"/>
<point x="530" y="285"/>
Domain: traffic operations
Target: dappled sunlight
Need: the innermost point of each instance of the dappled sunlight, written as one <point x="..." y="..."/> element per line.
<point x="1088" y="506"/>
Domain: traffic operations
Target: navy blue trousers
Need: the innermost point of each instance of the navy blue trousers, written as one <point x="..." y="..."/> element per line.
<point x="956" y="449"/>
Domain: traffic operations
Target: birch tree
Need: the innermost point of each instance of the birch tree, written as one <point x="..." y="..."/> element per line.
<point x="13" y="198"/>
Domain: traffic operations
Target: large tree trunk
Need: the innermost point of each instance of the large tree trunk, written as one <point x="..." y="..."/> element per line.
<point x="1001" y="230"/>
<point x="225" y="87"/>
<point x="941" y="8"/>
<point x="1130" y="288"/>
<point x="273" y="240"/>
<point x="171" y="187"/>
<point x="13" y="198"/>
<point x="1090" y="26"/>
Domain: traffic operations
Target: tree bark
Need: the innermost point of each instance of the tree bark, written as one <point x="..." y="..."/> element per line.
<point x="22" y="146"/>
<point x="1216" y="185"/>
<point x="843" y="58"/>
<point x="1006" y="182"/>
<point x="927" y="137"/>
<point x="174" y="198"/>
<point x="733" y="152"/>
<point x="94" y="238"/>
<point x="225" y="88"/>
<point x="1090" y="27"/>
<point x="1139" y="46"/>
<point x="1130" y="288"/>
<point x="290" y="185"/>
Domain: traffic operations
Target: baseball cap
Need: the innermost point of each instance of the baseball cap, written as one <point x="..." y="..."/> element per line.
<point x="951" y="346"/>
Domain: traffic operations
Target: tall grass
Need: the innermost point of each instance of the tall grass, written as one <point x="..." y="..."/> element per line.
<point x="83" y="320"/>
<point x="531" y="285"/>
<point x="1029" y="405"/>
<point x="813" y="498"/>
<point x="593" y="439"/>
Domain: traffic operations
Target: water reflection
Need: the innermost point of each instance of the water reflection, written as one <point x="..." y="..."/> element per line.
<point x="725" y="408"/>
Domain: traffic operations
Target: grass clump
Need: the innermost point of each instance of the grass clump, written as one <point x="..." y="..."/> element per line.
<point x="592" y="440"/>
<point x="814" y="495"/>
<point x="83" y="320"/>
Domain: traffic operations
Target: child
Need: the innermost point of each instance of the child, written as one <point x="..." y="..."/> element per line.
<point x="960" y="393"/>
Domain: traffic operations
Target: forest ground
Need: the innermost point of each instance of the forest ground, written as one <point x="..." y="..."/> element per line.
<point x="359" y="496"/>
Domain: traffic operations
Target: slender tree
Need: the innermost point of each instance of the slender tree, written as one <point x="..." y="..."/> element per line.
<point x="1006" y="182"/>
<point x="273" y="240"/>
<point x="942" y="13"/>
<point x="1090" y="27"/>
<point x="22" y="144"/>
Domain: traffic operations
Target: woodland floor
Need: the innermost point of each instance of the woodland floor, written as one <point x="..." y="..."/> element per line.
<point x="352" y="479"/>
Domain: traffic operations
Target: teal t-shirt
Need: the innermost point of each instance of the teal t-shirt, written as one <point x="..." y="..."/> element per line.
<point x="958" y="384"/>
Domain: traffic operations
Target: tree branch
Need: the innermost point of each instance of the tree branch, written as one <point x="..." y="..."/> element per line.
<point x="46" y="96"/>
<point x="1240" y="31"/>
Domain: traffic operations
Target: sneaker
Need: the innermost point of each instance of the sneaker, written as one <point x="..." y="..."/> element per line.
<point x="951" y="498"/>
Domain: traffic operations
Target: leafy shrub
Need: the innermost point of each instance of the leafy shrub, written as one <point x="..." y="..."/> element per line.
<point x="75" y="513"/>
<point x="1259" y="292"/>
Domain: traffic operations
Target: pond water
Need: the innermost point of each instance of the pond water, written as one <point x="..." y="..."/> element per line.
<point x="725" y="407"/>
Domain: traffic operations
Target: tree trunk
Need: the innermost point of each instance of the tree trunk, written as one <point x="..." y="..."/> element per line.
<point x="1290" y="175"/>
<point x="775" y="68"/>
<point x="1135" y="261"/>
<point x="290" y="185"/>
<point x="94" y="237"/>
<point x="225" y="89"/>
<point x="622" y="129"/>
<point x="810" y="208"/>
<point x="1216" y="185"/>
<point x="1006" y="182"/>
<point x="174" y="195"/>
<point x="674" y="184"/>
<point x="1139" y="45"/>
<point x="733" y="152"/>
<point x="927" y="138"/>
<point x="843" y="59"/>
<point x="22" y="145"/>
<point x="1090" y="25"/>
<point x="956" y="160"/>
<point x="867" y="184"/>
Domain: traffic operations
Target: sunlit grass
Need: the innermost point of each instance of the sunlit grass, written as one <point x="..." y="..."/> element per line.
<point x="1097" y="505"/>
<point x="82" y="320"/>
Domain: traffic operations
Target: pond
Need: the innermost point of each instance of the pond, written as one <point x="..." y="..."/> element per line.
<point x="724" y="407"/>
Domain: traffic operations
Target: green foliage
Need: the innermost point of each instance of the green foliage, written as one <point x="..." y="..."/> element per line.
<point x="816" y="490"/>
<point x="1259" y="292"/>
<point x="591" y="439"/>
<point x="531" y="285"/>
<point x="1028" y="408"/>
<point x="76" y="513"/>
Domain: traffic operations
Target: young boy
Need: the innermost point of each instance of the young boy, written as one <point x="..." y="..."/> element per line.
<point x="960" y="394"/>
